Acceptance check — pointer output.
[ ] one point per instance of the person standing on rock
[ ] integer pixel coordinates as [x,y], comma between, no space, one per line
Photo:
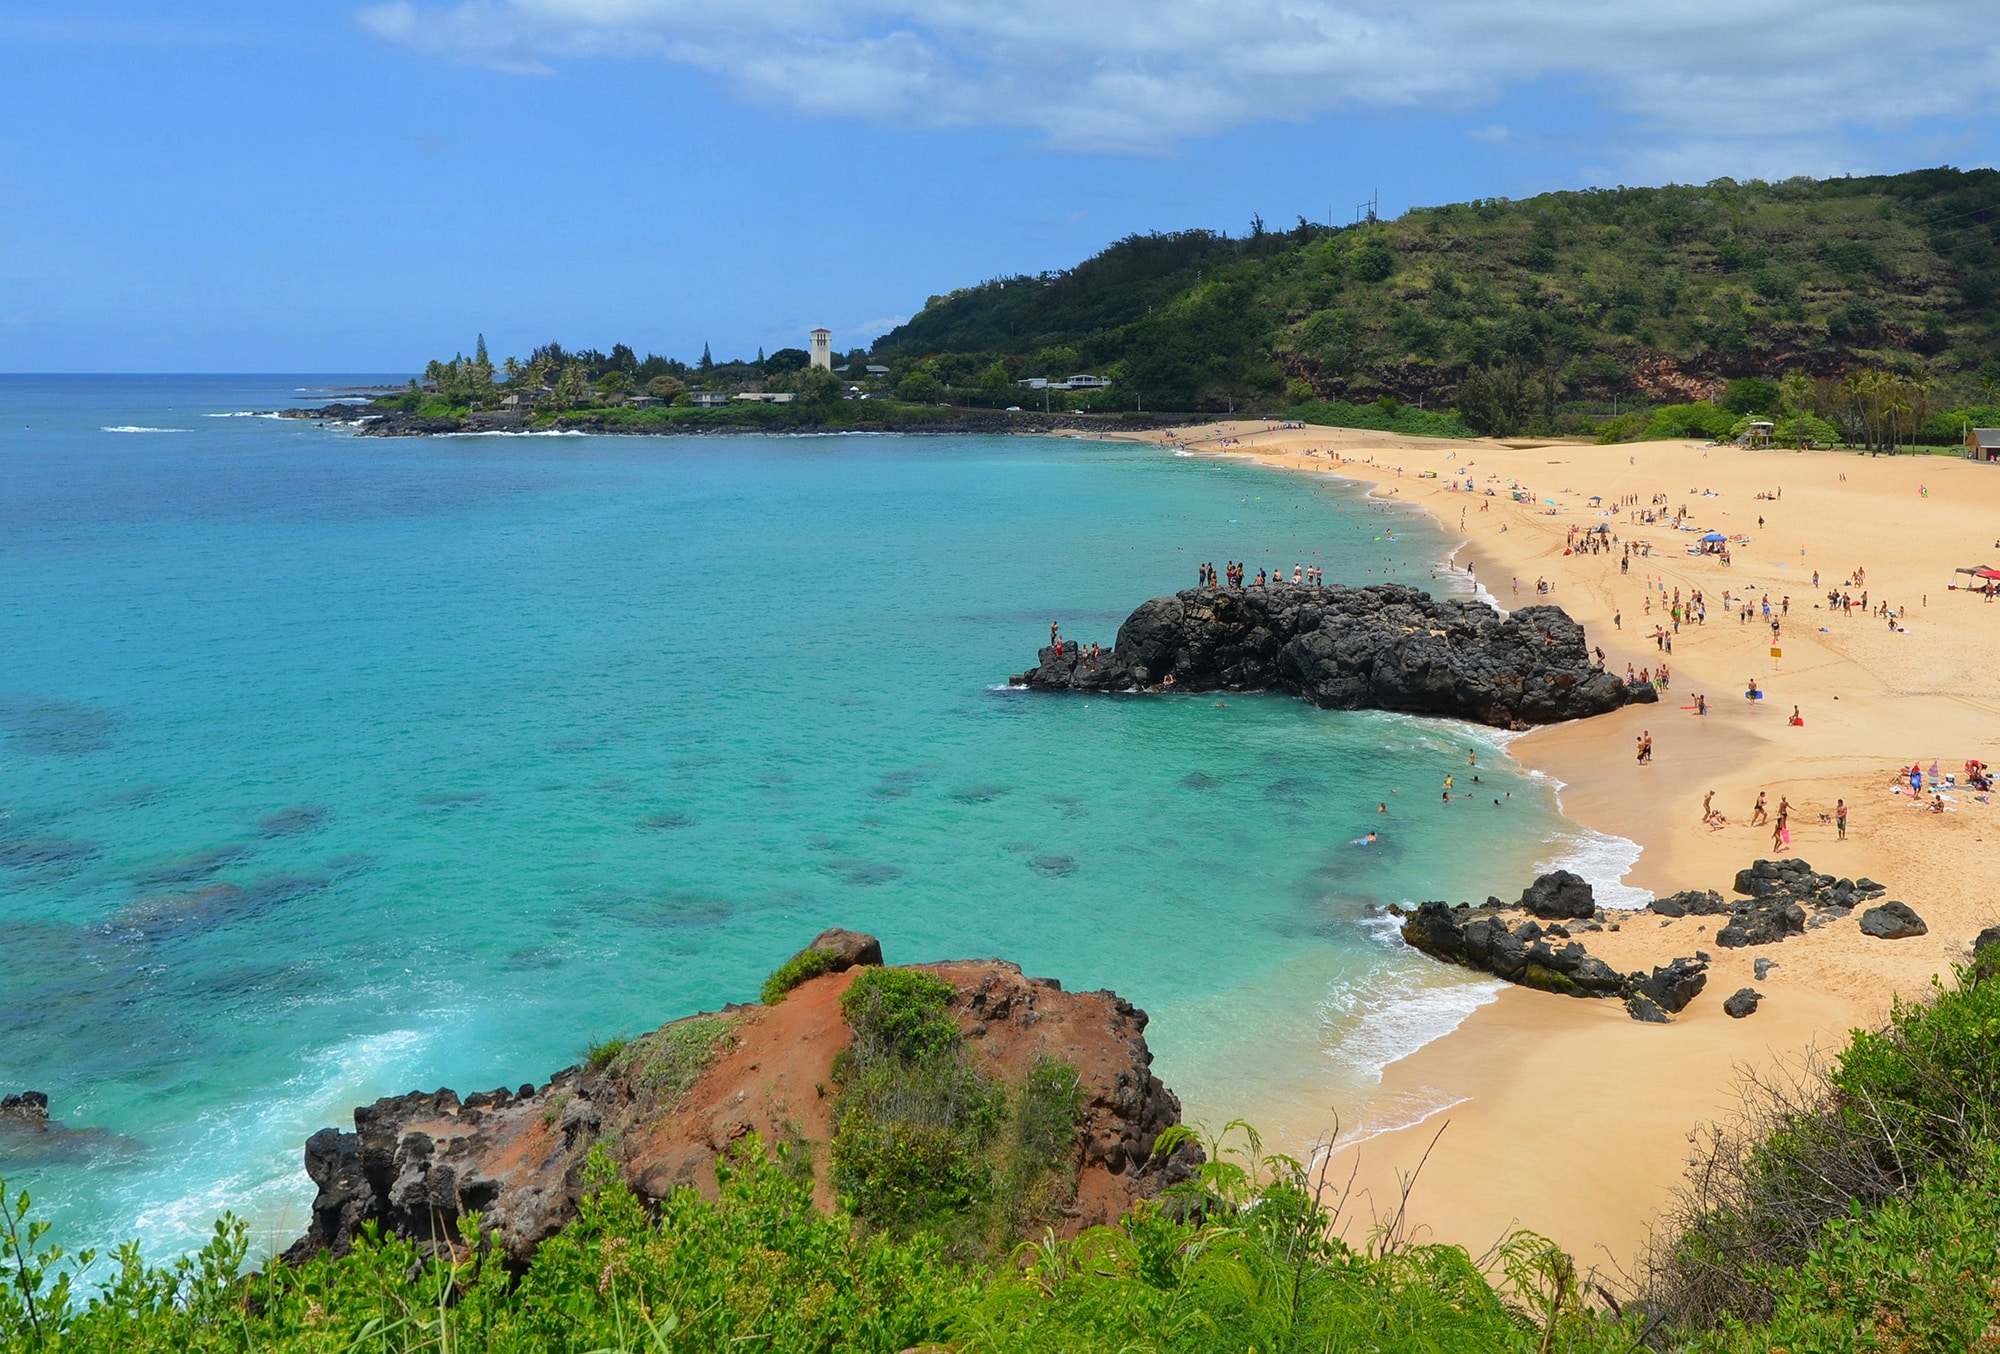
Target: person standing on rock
[1055,637]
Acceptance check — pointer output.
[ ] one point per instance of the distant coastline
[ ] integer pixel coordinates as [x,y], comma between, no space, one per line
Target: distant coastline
[373,421]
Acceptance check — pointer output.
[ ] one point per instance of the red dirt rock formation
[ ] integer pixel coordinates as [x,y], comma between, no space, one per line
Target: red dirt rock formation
[415,1163]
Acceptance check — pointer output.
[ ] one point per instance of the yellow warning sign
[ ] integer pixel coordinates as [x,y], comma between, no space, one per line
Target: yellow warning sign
[1776,652]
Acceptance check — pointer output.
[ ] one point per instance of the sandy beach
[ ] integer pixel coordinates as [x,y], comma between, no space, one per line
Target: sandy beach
[1570,1117]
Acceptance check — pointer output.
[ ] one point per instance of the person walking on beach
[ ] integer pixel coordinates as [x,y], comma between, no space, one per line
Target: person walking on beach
[1645,747]
[1708,808]
[1757,814]
[1781,836]
[1840,820]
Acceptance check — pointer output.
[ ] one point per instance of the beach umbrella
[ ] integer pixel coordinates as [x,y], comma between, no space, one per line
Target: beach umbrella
[1715,536]
[1986,573]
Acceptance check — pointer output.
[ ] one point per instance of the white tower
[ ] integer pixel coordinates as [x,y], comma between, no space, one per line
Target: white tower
[822,349]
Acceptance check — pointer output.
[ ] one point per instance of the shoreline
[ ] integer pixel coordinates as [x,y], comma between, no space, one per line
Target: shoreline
[1565,1115]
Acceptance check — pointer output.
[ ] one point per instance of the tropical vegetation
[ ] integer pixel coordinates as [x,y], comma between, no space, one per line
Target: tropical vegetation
[1853,1207]
[1556,313]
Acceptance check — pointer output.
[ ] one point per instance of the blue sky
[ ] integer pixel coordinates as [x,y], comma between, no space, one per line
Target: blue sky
[307,186]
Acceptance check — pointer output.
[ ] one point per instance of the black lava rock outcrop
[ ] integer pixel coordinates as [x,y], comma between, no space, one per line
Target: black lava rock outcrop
[1785,898]
[1672,986]
[1560,896]
[1762,922]
[1690,903]
[1742,1002]
[1519,954]
[1644,1009]
[1382,647]
[1893,921]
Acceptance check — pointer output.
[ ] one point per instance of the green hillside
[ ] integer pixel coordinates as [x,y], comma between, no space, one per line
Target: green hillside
[1548,314]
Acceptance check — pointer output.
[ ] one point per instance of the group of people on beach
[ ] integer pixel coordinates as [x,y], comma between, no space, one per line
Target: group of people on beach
[1781,827]
[1233,575]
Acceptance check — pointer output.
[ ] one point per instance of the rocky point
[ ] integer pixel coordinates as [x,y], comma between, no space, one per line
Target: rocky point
[1382,647]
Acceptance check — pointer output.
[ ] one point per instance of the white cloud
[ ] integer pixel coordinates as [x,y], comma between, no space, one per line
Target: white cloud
[1759,83]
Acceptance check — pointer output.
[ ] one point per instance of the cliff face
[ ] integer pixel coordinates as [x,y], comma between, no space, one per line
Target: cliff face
[1384,647]
[667,1104]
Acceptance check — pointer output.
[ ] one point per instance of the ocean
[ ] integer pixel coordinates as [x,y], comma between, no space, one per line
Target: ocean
[333,767]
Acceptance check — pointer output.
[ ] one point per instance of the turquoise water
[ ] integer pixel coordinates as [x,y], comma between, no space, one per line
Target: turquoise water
[333,767]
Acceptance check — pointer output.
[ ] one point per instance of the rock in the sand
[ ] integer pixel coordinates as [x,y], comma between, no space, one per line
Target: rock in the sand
[1674,985]
[1892,921]
[1986,939]
[1520,955]
[1381,647]
[1764,967]
[1742,1002]
[1690,903]
[1560,894]
[1642,1008]
[1761,923]
[29,1107]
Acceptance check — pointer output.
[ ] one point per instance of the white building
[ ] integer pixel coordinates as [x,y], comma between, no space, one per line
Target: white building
[822,349]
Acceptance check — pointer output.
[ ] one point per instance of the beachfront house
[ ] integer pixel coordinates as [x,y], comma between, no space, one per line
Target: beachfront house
[710,399]
[1035,383]
[874,370]
[1983,444]
[1086,383]
[768,396]
[642,401]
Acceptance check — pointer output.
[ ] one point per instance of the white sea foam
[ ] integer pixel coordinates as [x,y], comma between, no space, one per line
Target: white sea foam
[261,1141]
[1602,859]
[239,413]
[1394,1011]
[135,428]
[519,432]
[1392,1114]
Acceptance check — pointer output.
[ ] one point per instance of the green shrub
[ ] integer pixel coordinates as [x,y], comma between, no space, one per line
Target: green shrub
[661,1066]
[801,967]
[1380,418]
[1680,421]
[899,1013]
[1916,1100]
[598,1055]
[1918,1274]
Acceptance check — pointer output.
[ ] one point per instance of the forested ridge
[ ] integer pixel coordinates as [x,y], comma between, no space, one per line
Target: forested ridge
[1552,313]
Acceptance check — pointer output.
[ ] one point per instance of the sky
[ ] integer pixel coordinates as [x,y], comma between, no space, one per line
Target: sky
[316,186]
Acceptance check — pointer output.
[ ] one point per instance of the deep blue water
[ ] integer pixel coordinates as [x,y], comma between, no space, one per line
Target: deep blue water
[331,766]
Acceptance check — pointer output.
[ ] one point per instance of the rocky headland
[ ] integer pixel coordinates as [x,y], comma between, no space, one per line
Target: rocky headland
[664,1106]
[1381,647]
